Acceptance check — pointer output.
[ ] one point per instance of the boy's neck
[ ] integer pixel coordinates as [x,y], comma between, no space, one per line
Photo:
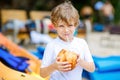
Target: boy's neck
[70,39]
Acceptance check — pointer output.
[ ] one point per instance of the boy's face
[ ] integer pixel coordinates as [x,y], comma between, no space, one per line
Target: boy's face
[65,31]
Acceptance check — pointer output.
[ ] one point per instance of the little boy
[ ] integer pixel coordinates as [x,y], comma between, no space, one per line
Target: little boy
[65,18]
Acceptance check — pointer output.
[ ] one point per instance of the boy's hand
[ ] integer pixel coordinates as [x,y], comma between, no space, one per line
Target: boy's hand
[78,59]
[63,66]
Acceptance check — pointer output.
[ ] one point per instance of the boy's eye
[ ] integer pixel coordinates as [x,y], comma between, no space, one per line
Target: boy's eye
[70,25]
[61,26]
[64,26]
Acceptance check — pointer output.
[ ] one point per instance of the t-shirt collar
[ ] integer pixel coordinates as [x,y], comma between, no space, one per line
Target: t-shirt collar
[64,42]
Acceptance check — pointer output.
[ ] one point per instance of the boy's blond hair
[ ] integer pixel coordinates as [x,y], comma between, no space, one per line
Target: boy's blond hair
[65,12]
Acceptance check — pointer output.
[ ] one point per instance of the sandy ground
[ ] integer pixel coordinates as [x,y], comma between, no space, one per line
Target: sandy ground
[104,44]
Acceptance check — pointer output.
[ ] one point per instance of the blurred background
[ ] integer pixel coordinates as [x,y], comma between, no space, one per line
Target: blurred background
[19,18]
[27,23]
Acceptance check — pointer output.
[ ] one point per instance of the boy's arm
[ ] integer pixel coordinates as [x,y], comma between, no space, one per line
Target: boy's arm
[87,63]
[89,66]
[46,71]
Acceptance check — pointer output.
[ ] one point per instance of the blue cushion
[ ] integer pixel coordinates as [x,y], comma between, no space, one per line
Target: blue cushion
[37,54]
[111,63]
[41,49]
[113,75]
[85,74]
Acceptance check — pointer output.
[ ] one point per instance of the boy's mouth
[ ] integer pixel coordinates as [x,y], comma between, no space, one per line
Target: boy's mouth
[67,35]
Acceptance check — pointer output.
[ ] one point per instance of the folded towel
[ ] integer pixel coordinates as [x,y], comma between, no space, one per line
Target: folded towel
[17,63]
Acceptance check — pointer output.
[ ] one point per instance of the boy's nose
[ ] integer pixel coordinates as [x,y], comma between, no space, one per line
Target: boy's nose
[66,29]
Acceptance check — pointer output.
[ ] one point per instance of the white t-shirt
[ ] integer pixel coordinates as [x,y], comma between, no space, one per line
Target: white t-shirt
[53,48]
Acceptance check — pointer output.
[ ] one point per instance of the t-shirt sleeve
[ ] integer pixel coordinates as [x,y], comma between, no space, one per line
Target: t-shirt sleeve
[48,55]
[87,54]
